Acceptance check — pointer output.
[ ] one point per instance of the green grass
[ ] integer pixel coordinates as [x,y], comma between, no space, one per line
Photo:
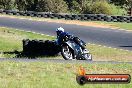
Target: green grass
[11,40]
[109,54]
[56,75]
[126,26]
[116,10]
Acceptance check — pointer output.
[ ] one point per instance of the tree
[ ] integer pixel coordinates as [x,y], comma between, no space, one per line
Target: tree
[21,5]
[56,6]
[122,3]
[31,5]
[129,2]
[97,7]
[7,4]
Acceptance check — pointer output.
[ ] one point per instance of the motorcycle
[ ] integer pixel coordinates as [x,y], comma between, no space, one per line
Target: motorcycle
[74,48]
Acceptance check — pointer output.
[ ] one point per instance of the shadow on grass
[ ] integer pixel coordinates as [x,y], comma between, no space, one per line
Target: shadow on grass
[21,54]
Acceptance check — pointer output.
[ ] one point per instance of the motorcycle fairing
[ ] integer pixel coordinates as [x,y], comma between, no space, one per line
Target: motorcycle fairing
[75,47]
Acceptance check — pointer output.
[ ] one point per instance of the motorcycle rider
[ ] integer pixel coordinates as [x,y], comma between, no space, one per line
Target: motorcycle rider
[61,34]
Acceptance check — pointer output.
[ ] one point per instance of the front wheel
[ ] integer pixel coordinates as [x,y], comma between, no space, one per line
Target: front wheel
[66,53]
[87,56]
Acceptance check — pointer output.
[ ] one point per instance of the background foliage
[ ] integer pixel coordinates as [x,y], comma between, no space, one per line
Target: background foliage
[69,6]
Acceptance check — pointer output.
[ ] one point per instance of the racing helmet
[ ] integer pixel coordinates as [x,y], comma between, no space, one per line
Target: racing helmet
[59,30]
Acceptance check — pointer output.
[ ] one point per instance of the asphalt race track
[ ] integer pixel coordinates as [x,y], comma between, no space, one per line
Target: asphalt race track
[104,36]
[62,61]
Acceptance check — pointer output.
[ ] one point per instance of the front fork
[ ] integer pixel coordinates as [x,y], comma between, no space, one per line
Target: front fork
[78,53]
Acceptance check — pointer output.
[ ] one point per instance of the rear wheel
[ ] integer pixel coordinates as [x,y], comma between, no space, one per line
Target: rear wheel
[66,52]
